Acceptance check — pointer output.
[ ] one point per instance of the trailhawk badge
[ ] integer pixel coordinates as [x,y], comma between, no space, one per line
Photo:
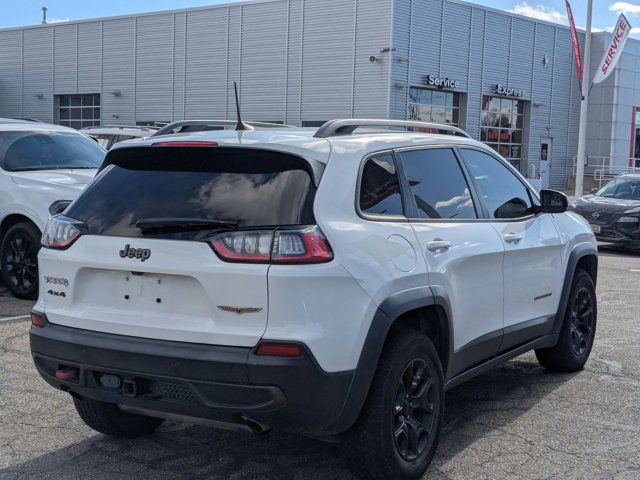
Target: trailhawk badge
[140,253]
[239,310]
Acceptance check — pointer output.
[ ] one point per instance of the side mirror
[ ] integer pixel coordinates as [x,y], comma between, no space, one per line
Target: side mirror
[594,191]
[553,201]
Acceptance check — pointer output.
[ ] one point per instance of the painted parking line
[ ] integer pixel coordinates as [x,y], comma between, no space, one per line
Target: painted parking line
[18,317]
[632,270]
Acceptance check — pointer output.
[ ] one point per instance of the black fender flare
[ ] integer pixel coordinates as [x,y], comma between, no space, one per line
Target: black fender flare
[579,251]
[387,313]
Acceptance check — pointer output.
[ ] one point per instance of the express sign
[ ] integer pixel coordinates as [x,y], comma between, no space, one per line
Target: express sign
[508,91]
[613,53]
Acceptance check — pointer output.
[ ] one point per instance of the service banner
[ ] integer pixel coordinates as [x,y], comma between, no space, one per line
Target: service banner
[613,52]
[575,42]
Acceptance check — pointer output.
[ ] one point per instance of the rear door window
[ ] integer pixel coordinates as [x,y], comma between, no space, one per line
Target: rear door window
[245,187]
[437,184]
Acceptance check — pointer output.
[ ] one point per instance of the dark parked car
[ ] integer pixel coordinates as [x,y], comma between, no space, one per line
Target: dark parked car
[614,211]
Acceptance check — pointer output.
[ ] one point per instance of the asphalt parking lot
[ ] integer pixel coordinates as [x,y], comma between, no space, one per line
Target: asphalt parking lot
[515,422]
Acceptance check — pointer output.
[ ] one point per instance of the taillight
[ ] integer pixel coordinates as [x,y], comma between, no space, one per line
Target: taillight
[287,246]
[60,232]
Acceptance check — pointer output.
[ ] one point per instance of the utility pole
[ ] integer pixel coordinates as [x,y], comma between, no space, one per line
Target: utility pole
[584,105]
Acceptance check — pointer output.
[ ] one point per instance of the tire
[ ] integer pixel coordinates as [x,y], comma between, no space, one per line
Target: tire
[578,329]
[19,260]
[107,418]
[374,450]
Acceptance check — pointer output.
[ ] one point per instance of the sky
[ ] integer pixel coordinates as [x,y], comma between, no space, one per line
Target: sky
[28,12]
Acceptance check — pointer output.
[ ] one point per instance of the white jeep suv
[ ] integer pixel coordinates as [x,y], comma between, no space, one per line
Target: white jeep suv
[331,283]
[42,168]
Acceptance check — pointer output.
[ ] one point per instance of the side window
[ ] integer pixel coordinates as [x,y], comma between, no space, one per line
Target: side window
[380,187]
[505,196]
[438,184]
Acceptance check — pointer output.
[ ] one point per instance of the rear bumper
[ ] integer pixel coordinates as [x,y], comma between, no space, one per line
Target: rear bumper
[224,384]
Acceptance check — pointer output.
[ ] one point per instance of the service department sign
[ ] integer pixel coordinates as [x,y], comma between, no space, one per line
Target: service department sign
[508,91]
[434,81]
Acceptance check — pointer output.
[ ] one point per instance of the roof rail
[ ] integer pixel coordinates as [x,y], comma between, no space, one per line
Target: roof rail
[335,128]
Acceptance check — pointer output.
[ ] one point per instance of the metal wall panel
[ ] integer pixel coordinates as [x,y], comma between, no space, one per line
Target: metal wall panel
[179,64]
[89,52]
[65,58]
[154,68]
[372,37]
[295,27]
[11,73]
[206,63]
[328,59]
[38,73]
[400,59]
[118,97]
[263,60]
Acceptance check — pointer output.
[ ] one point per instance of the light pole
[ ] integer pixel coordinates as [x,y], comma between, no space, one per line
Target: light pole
[584,105]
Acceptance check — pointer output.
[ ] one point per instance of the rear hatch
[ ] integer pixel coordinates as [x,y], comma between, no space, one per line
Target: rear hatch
[145,265]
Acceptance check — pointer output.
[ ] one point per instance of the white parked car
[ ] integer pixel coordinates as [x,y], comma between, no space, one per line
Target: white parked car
[42,169]
[330,283]
[108,136]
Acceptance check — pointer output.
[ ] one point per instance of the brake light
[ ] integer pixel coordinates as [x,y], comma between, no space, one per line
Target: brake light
[288,246]
[61,232]
[279,350]
[199,143]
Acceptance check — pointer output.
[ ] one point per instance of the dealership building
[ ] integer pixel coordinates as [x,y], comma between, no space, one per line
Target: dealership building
[508,80]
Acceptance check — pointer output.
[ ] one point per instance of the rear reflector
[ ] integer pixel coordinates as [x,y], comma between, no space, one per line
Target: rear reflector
[67,374]
[38,319]
[279,350]
[185,144]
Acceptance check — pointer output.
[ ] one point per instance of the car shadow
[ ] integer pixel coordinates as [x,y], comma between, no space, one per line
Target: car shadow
[475,409]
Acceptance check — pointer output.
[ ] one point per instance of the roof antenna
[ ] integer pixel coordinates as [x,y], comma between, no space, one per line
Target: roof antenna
[241,125]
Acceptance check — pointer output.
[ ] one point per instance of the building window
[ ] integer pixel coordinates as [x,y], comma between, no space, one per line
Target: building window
[502,124]
[78,111]
[434,106]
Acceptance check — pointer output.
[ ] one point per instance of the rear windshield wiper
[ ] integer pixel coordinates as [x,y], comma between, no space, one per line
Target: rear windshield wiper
[183,224]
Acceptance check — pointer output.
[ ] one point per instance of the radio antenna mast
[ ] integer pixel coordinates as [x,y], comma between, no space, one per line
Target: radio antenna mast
[241,125]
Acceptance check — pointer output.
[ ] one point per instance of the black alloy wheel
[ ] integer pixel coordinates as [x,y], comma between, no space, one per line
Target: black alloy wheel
[396,434]
[19,260]
[578,329]
[582,321]
[414,410]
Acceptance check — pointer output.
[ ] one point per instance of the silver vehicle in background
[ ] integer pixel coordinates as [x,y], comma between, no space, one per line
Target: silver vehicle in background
[108,136]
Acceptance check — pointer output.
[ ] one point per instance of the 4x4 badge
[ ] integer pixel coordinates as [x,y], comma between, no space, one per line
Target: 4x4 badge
[140,253]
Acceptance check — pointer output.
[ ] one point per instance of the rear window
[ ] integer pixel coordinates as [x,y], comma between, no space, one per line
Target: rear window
[24,151]
[247,187]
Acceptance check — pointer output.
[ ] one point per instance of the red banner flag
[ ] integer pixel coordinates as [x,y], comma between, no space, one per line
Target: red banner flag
[576,43]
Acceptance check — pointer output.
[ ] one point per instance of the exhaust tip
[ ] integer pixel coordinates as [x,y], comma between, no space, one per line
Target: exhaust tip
[256,427]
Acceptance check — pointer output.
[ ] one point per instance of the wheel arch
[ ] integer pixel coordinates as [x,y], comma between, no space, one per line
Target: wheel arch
[14,219]
[426,309]
[584,256]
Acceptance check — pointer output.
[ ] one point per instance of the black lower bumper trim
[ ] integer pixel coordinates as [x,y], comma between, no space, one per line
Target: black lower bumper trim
[225,384]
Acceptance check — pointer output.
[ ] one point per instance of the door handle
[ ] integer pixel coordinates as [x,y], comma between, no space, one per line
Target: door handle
[438,245]
[512,237]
